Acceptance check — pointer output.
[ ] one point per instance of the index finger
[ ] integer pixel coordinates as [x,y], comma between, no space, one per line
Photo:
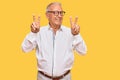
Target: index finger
[39,18]
[76,19]
[34,18]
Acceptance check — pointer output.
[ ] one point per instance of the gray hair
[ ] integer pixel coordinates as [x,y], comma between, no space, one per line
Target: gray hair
[48,7]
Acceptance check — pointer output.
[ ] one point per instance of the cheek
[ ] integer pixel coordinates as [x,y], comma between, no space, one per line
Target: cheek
[51,18]
[48,16]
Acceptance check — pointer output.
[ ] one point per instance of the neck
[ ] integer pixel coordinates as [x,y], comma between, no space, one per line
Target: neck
[55,27]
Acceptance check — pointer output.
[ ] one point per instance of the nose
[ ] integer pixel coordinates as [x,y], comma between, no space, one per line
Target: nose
[59,15]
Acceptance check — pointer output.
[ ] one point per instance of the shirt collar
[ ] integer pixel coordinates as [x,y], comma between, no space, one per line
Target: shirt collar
[49,28]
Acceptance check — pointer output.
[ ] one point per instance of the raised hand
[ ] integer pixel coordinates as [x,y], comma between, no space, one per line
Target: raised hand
[35,27]
[75,29]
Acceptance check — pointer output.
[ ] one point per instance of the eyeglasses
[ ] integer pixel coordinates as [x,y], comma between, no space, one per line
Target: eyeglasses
[56,13]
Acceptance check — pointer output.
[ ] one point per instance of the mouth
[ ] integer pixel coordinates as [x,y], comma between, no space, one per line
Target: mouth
[58,19]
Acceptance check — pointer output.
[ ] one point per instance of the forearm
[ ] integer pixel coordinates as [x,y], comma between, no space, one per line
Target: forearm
[29,42]
[79,44]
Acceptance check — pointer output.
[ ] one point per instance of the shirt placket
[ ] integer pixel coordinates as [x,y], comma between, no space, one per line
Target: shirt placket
[53,55]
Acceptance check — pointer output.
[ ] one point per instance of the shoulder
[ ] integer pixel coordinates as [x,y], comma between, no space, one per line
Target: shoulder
[43,28]
[66,29]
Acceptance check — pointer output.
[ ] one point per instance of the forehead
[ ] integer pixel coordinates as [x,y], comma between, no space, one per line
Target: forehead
[55,7]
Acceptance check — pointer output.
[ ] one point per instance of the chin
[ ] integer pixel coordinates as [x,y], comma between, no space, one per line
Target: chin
[58,24]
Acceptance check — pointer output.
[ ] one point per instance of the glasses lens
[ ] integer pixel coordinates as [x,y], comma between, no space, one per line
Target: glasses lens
[62,13]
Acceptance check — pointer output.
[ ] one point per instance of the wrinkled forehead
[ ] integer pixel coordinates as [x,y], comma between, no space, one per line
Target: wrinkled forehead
[55,7]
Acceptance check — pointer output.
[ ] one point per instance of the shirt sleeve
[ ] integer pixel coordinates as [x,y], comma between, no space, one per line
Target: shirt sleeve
[29,43]
[79,44]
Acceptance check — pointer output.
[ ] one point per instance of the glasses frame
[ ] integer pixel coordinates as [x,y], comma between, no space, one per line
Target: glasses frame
[56,13]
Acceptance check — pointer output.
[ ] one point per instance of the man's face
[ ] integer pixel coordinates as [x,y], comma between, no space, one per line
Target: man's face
[54,15]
